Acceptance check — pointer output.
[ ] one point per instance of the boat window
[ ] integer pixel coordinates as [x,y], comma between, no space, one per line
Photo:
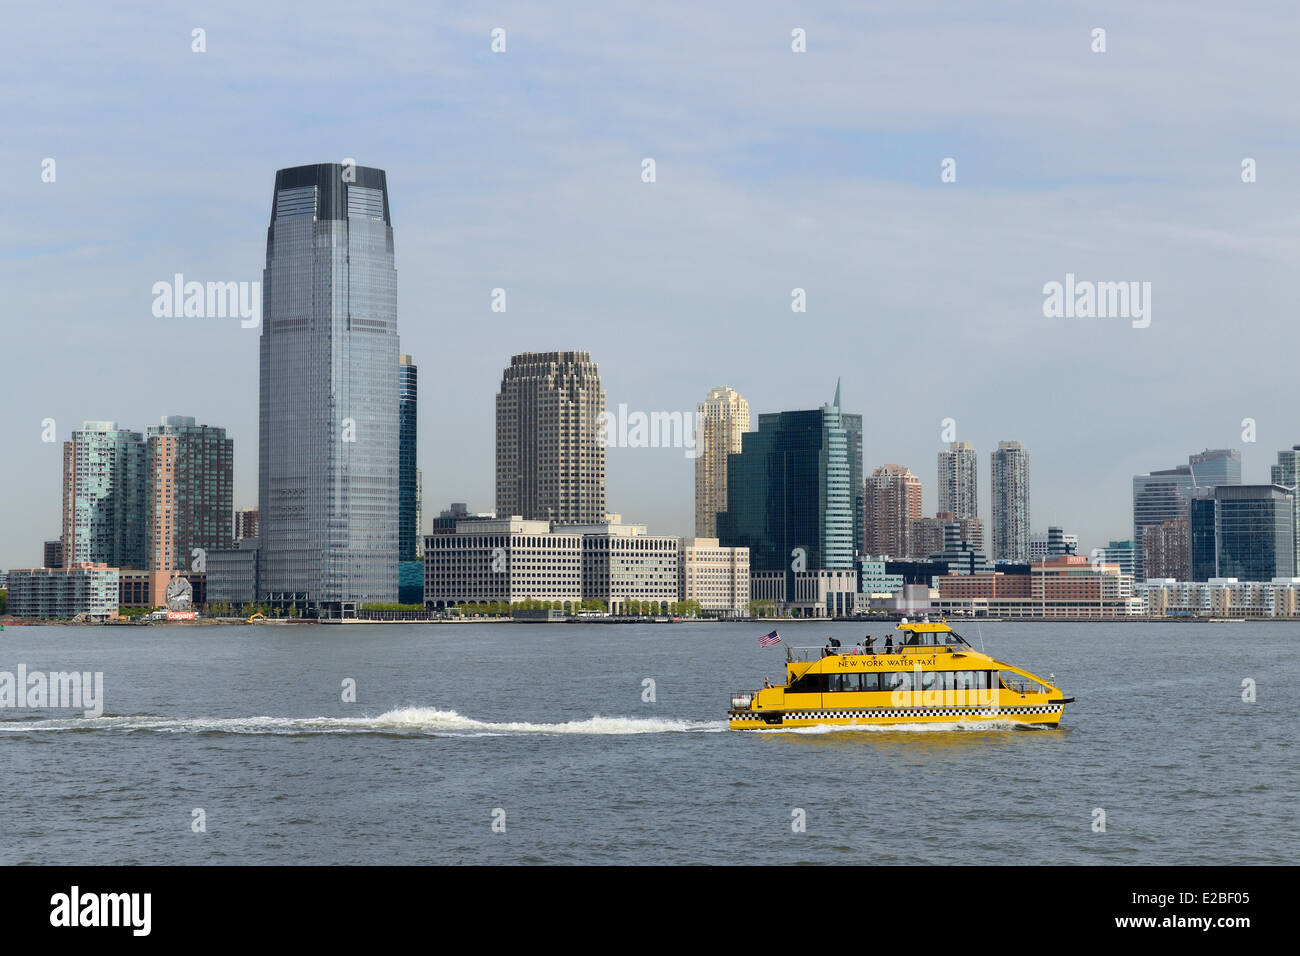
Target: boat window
[808,684]
[1020,684]
[897,680]
[937,680]
[871,681]
[964,680]
[849,682]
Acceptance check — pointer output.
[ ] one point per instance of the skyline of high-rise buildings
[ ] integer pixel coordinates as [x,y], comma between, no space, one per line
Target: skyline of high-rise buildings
[330,325]
[328,410]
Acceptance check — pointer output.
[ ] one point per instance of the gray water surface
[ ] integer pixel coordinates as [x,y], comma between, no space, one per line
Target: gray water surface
[547,724]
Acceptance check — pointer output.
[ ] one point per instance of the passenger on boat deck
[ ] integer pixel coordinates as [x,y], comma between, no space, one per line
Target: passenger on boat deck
[826,651]
[889,643]
[871,649]
[835,643]
[857,648]
[767,683]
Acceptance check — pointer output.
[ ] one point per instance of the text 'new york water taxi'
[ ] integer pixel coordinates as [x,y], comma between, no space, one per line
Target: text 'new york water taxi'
[932,675]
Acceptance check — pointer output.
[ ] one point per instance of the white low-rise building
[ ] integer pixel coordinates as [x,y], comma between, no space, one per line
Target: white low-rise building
[622,563]
[517,559]
[503,559]
[1221,597]
[716,577]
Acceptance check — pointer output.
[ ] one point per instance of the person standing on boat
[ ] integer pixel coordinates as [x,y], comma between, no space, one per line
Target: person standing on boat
[870,646]
[889,643]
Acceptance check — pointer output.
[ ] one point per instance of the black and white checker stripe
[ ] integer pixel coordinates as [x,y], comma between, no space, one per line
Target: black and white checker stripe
[899,712]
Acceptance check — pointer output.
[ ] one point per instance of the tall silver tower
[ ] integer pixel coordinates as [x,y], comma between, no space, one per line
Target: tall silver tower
[328,440]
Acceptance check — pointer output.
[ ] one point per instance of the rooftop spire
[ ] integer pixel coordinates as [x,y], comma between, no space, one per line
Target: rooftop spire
[836,403]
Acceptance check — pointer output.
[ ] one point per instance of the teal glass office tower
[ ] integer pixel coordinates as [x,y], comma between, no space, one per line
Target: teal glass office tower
[328,439]
[408,535]
[1253,532]
[797,484]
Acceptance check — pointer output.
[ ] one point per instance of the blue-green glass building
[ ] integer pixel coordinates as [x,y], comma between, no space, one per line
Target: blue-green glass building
[794,492]
[1253,532]
[408,535]
[1203,543]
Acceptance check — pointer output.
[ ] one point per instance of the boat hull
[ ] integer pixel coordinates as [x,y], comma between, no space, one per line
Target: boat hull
[1048,715]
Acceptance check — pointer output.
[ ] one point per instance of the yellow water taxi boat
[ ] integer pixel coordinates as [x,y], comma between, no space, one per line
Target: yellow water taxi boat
[932,675]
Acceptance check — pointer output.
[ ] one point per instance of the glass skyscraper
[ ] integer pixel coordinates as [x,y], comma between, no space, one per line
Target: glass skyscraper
[328,440]
[1162,495]
[797,484]
[1253,532]
[408,535]
[1287,474]
[1201,531]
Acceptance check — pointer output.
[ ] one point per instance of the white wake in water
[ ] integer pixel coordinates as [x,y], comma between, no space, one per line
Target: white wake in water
[414,720]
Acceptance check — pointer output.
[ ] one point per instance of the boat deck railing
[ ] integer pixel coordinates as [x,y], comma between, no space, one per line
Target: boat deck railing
[877,650]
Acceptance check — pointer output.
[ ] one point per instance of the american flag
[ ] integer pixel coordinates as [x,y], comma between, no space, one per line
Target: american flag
[767,640]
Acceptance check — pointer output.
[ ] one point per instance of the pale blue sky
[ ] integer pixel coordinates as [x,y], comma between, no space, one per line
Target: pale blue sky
[775,170]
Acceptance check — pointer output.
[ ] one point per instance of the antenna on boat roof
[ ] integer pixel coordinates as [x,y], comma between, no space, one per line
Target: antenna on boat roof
[980,631]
